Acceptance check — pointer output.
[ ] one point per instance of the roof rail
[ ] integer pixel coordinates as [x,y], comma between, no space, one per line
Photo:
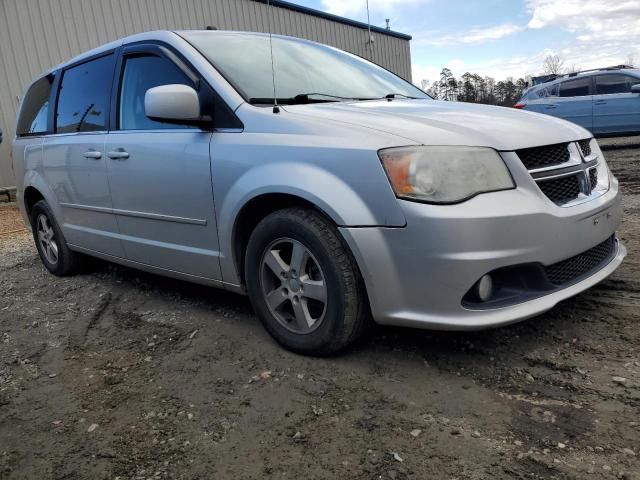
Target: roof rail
[613,67]
[550,77]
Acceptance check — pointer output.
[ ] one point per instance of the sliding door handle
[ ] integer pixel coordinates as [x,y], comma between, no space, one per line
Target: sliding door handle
[95,155]
[118,154]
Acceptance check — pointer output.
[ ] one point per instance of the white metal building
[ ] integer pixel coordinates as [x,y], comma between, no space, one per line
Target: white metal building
[36,35]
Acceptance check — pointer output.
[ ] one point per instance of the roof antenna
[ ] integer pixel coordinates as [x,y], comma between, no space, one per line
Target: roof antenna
[276,108]
[370,39]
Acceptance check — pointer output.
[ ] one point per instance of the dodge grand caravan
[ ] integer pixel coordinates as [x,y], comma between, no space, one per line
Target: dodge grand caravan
[357,197]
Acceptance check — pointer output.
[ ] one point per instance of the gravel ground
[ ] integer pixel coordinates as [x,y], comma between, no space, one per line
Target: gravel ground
[119,374]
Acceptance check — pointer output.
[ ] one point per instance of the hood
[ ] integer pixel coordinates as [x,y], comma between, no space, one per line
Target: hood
[432,122]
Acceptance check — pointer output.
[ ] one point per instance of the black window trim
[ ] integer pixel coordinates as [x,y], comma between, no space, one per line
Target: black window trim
[53,113]
[162,49]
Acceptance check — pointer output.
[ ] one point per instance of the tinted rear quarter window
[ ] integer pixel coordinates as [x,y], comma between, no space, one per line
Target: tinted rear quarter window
[608,84]
[35,108]
[575,88]
[84,96]
[550,91]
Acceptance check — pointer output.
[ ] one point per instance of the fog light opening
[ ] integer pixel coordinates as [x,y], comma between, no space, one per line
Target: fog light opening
[484,288]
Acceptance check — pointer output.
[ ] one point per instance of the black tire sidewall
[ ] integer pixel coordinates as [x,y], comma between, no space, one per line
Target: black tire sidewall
[277,226]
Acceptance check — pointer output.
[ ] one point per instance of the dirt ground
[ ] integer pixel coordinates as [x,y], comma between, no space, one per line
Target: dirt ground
[120,374]
[10,221]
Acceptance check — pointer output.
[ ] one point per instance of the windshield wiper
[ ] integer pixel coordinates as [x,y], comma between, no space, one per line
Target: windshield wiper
[303,98]
[391,96]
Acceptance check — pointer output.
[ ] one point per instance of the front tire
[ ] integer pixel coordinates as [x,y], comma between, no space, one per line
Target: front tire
[50,242]
[304,284]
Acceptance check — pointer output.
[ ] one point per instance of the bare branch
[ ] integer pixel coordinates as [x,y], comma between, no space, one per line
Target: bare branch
[553,64]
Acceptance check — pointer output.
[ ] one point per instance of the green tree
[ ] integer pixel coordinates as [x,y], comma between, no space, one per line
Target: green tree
[445,87]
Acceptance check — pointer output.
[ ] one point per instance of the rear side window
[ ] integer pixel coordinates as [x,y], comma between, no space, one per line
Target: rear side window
[608,84]
[84,96]
[550,91]
[140,74]
[575,88]
[35,108]
[529,95]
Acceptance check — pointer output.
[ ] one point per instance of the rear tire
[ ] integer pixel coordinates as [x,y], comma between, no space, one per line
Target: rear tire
[50,242]
[304,283]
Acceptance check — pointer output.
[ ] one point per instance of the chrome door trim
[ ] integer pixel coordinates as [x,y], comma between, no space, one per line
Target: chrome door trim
[132,213]
[75,134]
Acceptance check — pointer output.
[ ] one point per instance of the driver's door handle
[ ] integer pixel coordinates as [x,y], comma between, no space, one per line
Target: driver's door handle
[92,154]
[118,154]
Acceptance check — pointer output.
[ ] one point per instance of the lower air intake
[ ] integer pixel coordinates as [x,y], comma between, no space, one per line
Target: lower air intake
[575,267]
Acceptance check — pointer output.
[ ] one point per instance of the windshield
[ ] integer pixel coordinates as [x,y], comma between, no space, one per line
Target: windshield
[304,71]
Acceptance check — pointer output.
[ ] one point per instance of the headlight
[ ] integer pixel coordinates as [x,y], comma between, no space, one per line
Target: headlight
[444,174]
[599,175]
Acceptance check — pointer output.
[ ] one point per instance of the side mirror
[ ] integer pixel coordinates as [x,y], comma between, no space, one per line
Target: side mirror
[172,103]
[635,88]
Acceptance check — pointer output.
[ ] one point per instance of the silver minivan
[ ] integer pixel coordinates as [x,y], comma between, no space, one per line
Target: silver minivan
[329,190]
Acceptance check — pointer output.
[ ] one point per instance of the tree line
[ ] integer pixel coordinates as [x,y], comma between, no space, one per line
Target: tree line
[474,88]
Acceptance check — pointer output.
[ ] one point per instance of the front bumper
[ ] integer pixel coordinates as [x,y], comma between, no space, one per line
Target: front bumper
[418,275]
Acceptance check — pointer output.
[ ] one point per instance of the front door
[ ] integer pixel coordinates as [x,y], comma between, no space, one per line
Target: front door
[74,164]
[160,174]
[615,108]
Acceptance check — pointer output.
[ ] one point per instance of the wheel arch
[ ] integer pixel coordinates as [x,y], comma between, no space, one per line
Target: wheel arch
[36,188]
[30,197]
[256,209]
[280,184]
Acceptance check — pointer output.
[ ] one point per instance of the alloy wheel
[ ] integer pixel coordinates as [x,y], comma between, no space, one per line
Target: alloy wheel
[47,239]
[293,285]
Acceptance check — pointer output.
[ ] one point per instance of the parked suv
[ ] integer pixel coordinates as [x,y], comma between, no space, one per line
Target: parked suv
[606,101]
[356,197]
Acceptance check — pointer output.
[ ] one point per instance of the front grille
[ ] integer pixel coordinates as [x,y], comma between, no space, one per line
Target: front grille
[593,178]
[585,147]
[547,163]
[561,190]
[575,267]
[547,156]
